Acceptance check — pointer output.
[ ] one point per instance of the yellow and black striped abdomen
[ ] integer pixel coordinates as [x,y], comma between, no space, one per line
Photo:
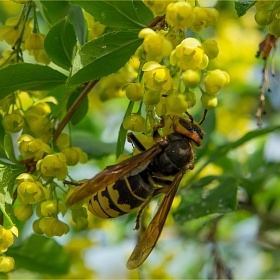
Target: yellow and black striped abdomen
[121,197]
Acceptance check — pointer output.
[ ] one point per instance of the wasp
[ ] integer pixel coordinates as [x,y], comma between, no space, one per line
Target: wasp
[131,184]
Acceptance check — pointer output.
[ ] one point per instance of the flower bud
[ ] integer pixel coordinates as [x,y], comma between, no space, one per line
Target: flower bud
[63,141]
[13,122]
[134,91]
[23,212]
[134,122]
[30,192]
[215,80]
[208,101]
[53,166]
[48,208]
[6,239]
[53,227]
[6,264]
[30,147]
[180,14]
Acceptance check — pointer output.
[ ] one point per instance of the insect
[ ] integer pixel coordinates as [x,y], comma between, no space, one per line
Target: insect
[131,184]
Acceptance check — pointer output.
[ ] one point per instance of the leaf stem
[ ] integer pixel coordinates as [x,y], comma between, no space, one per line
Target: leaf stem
[73,108]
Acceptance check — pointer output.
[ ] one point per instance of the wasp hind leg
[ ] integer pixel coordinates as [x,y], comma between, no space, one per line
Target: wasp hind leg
[138,217]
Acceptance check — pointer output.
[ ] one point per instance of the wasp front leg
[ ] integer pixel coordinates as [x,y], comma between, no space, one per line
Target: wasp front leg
[131,138]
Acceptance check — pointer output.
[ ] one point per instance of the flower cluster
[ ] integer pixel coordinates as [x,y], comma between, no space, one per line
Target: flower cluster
[6,240]
[268,14]
[175,68]
[23,34]
[45,161]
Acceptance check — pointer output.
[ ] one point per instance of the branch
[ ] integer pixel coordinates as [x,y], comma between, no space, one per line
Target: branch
[73,108]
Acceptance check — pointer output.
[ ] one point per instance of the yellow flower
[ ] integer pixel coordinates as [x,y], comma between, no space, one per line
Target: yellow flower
[54,165]
[189,55]
[155,44]
[6,264]
[30,147]
[215,80]
[180,14]
[158,7]
[6,239]
[51,226]
[156,77]
[35,45]
[35,41]
[30,192]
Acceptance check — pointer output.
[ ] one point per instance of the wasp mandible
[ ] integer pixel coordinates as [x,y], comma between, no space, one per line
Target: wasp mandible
[131,184]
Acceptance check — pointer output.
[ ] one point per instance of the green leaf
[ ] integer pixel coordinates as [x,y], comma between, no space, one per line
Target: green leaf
[210,195]
[94,148]
[103,56]
[41,254]
[2,135]
[81,111]
[27,76]
[123,132]
[60,42]
[222,150]
[9,148]
[77,18]
[7,179]
[53,11]
[242,6]
[122,14]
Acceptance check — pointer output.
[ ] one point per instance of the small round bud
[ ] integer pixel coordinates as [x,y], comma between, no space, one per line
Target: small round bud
[274,27]
[49,208]
[191,78]
[134,122]
[210,48]
[6,264]
[23,212]
[13,122]
[180,14]
[72,156]
[6,239]
[215,80]
[63,141]
[208,101]
[36,227]
[191,98]
[151,97]
[263,17]
[134,91]
[176,103]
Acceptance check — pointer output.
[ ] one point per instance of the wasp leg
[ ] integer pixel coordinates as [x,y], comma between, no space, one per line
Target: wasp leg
[203,116]
[137,222]
[157,127]
[66,182]
[156,192]
[131,138]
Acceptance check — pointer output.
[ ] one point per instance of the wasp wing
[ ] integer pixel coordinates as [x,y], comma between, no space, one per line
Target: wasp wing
[151,235]
[113,173]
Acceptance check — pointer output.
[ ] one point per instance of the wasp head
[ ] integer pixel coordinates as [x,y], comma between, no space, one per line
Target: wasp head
[188,128]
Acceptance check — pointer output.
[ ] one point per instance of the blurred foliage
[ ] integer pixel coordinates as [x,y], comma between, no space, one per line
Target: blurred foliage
[224,222]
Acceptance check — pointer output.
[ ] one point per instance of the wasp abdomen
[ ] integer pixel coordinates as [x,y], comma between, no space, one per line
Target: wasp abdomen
[122,197]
